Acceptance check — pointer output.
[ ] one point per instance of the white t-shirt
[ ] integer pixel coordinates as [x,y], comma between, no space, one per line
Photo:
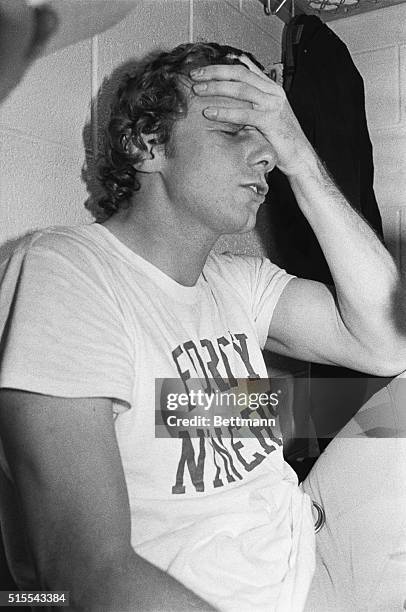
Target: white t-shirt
[84,316]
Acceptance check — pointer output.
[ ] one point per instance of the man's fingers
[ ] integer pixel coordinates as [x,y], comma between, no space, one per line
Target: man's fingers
[230,89]
[251,66]
[234,72]
[247,62]
[240,116]
[221,72]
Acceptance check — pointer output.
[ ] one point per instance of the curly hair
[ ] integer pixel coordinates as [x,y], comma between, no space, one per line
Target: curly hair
[149,101]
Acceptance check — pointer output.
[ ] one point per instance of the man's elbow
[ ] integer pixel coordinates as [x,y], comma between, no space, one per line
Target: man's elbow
[389,359]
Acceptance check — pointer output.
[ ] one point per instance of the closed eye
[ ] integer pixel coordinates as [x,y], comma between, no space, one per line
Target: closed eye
[234,132]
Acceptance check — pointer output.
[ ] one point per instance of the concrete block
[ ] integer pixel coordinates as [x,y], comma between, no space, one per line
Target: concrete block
[372,30]
[402,71]
[42,186]
[217,21]
[236,4]
[53,100]
[380,71]
[390,167]
[153,24]
[271,24]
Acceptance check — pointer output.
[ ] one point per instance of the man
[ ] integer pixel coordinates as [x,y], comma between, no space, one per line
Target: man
[94,316]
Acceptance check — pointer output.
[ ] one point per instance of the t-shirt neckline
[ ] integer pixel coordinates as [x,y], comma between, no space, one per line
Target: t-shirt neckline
[170,286]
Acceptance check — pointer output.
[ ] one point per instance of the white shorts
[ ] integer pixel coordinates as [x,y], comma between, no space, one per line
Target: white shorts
[360,481]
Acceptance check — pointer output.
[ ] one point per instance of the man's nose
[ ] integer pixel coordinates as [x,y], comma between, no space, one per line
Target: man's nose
[263,155]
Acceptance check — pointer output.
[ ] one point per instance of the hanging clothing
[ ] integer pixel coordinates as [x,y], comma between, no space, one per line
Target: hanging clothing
[326,93]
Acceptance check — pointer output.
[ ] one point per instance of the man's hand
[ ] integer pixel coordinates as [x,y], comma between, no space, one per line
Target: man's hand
[271,113]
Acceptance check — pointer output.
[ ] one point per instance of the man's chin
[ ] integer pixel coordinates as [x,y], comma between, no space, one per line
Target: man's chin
[248,225]
[239,224]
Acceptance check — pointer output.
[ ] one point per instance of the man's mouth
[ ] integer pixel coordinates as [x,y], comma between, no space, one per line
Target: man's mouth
[258,188]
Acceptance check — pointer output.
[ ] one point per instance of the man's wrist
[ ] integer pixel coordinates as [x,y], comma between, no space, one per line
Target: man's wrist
[306,165]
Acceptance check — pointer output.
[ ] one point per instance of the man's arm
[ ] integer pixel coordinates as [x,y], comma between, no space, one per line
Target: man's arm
[356,325]
[66,465]
[353,325]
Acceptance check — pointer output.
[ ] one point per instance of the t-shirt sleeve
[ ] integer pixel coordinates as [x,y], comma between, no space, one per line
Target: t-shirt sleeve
[269,281]
[62,331]
[259,283]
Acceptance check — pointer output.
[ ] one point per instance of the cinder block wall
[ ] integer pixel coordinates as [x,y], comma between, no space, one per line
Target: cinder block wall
[41,142]
[377,42]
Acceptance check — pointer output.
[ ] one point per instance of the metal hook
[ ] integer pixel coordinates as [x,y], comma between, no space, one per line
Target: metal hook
[269,11]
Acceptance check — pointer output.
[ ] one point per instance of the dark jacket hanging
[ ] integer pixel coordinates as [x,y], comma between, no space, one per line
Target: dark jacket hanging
[326,93]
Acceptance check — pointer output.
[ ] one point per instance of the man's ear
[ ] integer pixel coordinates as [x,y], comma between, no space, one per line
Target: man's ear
[152,158]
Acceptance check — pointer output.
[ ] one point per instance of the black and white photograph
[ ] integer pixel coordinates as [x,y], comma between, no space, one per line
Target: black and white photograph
[203,305]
